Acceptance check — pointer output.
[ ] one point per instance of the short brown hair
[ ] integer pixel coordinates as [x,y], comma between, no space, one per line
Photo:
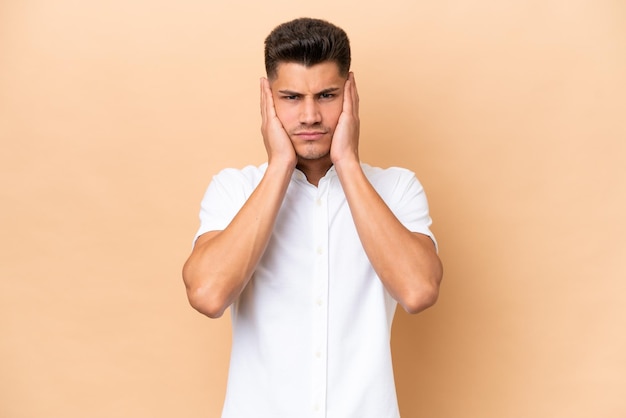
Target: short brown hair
[308,42]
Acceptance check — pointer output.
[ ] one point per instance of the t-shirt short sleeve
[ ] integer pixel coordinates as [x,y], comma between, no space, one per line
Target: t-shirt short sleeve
[413,209]
[226,194]
[405,196]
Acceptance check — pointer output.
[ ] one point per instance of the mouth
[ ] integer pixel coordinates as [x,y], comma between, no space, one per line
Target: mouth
[310,135]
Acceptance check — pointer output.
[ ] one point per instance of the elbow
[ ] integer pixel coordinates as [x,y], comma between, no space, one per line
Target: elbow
[425,295]
[206,302]
[203,297]
[420,300]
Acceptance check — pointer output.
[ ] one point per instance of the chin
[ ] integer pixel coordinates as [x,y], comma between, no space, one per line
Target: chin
[313,152]
[311,155]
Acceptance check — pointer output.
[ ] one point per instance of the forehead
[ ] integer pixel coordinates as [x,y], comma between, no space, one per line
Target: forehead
[300,78]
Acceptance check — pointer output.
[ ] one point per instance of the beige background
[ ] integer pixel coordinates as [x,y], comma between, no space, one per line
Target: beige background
[114,115]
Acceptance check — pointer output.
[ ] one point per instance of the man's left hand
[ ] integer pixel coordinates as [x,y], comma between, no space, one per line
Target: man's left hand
[345,144]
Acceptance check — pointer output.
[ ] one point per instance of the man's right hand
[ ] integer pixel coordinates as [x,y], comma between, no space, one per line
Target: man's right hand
[277,142]
[222,262]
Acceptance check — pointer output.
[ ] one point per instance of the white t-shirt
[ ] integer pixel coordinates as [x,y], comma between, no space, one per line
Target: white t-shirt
[311,330]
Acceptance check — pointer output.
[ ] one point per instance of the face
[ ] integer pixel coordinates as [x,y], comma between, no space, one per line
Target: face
[308,102]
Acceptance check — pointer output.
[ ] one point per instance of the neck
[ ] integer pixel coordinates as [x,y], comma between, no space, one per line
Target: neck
[314,170]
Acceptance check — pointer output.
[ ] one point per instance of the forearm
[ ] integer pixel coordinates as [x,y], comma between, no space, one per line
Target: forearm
[406,262]
[222,262]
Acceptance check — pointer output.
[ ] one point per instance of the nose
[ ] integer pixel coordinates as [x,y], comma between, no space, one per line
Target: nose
[310,112]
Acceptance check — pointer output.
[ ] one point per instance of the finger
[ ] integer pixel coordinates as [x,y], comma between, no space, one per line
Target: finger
[269,98]
[355,94]
[347,96]
[262,101]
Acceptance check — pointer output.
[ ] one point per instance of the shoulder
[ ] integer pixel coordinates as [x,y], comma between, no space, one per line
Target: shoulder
[249,175]
[390,177]
[395,184]
[386,172]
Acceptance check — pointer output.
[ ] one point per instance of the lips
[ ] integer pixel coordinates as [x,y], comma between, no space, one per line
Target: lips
[310,135]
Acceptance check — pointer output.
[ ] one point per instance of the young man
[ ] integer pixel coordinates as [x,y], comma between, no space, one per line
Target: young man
[313,249]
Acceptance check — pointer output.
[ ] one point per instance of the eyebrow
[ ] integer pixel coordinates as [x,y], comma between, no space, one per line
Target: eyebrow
[294,93]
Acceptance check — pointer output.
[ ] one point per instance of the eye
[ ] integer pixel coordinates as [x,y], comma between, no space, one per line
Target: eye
[292,97]
[327,95]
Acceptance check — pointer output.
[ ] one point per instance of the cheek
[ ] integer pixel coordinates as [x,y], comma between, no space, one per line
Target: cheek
[332,114]
[286,114]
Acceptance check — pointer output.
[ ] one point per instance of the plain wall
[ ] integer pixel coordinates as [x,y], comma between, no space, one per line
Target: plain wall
[114,116]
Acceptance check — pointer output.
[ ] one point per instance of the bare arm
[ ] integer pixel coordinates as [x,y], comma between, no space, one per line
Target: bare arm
[406,262]
[222,262]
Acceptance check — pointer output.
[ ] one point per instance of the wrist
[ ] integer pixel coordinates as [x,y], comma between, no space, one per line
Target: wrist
[281,165]
[347,165]
[344,155]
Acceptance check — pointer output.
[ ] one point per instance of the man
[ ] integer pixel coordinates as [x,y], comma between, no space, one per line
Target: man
[312,250]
